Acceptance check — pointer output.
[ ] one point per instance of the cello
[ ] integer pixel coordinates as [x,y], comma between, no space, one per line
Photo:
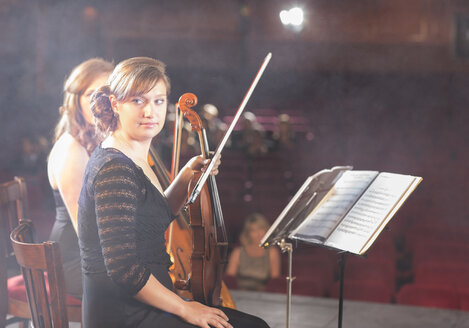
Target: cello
[179,237]
[209,238]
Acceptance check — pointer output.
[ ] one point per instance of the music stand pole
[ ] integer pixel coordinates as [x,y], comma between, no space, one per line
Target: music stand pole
[287,247]
[341,287]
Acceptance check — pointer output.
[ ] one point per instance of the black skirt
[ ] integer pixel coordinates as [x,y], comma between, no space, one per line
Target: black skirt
[105,306]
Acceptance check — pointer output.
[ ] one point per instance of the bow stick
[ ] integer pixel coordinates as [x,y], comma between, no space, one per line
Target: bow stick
[204,176]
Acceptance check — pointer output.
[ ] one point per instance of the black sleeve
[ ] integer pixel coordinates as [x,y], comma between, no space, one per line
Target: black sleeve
[117,192]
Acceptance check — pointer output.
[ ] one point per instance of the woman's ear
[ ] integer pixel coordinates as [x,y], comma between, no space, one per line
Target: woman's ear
[114,103]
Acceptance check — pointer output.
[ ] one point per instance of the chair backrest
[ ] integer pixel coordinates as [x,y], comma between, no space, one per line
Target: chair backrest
[13,207]
[47,309]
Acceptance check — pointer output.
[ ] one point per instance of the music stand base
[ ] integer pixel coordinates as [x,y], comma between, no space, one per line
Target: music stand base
[287,247]
[341,286]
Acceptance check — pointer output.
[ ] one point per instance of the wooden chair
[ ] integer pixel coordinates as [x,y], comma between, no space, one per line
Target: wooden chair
[13,207]
[41,267]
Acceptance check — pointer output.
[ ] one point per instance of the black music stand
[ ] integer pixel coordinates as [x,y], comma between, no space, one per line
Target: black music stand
[340,209]
[302,204]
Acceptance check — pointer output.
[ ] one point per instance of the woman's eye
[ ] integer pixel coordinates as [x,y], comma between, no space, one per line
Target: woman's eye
[160,101]
[137,101]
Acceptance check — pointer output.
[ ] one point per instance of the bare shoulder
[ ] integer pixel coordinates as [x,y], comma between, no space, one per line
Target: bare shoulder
[274,252]
[236,251]
[67,148]
[234,256]
[67,155]
[233,262]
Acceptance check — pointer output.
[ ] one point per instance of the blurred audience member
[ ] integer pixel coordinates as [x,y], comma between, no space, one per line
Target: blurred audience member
[252,265]
[284,136]
[242,137]
[214,127]
[258,145]
[251,137]
[29,162]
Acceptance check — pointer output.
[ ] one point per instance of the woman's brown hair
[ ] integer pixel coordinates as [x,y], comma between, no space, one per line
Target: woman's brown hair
[131,77]
[72,119]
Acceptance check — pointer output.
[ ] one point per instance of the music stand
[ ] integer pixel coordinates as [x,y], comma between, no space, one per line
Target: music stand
[340,209]
[302,204]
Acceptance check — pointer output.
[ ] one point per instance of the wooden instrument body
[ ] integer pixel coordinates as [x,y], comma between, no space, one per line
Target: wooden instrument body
[180,247]
[207,256]
[210,241]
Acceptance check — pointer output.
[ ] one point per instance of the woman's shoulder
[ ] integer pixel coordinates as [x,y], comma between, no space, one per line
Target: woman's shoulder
[236,252]
[65,154]
[274,252]
[113,156]
[66,158]
[111,161]
[67,147]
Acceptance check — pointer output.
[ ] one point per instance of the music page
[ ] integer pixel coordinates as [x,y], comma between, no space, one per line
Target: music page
[325,217]
[369,212]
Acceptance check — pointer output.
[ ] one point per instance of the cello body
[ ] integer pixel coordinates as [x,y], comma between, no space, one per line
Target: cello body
[209,238]
[207,256]
[210,241]
[180,245]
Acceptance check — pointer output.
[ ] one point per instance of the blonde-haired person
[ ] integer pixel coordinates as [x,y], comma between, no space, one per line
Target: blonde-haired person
[252,265]
[74,141]
[124,212]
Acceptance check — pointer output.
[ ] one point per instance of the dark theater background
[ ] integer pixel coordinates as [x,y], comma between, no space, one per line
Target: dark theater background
[380,85]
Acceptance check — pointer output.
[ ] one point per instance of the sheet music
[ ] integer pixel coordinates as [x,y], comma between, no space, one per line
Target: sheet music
[322,221]
[369,211]
[302,204]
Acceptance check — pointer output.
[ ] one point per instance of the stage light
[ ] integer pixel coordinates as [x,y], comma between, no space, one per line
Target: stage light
[293,17]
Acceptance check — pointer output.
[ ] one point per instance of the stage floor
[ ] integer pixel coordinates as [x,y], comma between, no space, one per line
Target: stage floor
[311,312]
[314,312]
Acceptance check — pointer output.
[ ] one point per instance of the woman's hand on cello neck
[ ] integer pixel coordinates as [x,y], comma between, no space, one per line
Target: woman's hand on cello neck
[199,163]
[176,193]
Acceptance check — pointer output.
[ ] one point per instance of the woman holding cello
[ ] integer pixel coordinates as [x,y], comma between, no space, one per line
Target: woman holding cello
[124,212]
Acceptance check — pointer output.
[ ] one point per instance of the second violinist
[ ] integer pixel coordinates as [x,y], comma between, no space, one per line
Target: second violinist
[124,212]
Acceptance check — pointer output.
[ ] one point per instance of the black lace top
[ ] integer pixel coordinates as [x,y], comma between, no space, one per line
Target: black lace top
[122,220]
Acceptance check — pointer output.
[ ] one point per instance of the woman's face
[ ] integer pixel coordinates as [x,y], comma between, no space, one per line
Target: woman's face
[256,232]
[142,117]
[85,98]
